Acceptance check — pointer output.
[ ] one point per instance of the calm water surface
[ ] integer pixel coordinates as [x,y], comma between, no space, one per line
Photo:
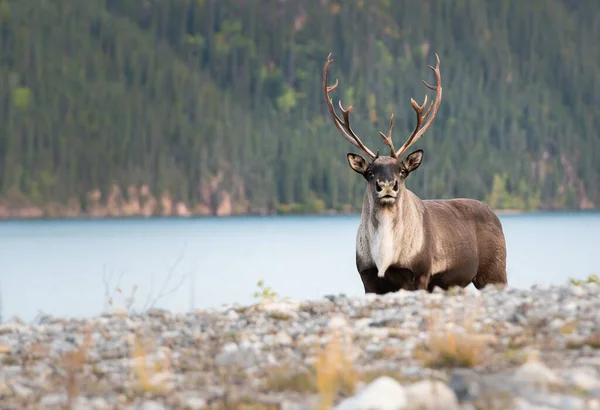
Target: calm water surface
[60,267]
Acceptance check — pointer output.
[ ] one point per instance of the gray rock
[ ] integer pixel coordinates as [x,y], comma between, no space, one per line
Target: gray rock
[99,403]
[584,378]
[556,401]
[283,339]
[232,315]
[464,383]
[570,308]
[522,404]
[54,328]
[53,401]
[114,349]
[536,373]
[338,322]
[577,291]
[7,328]
[171,335]
[164,381]
[151,405]
[268,340]
[431,395]
[10,371]
[309,403]
[589,361]
[383,393]
[21,390]
[282,309]
[83,403]
[557,323]
[593,404]
[194,403]
[243,355]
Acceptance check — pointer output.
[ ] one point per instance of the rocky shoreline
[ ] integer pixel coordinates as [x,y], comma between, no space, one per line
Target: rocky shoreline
[36,213]
[494,349]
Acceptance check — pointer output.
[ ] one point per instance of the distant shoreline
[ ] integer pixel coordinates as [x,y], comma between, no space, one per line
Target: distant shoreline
[83,216]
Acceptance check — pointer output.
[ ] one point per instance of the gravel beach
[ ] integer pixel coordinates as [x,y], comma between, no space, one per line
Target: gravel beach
[537,348]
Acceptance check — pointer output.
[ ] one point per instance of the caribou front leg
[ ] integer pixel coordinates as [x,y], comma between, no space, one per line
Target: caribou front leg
[422,280]
[374,284]
[422,274]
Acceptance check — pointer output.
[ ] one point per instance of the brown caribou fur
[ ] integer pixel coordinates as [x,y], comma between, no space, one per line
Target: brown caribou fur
[404,242]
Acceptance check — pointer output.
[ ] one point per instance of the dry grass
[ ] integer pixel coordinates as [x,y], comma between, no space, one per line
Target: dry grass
[335,373]
[452,343]
[245,404]
[388,353]
[515,356]
[369,376]
[280,316]
[452,349]
[519,341]
[72,363]
[568,328]
[32,353]
[283,379]
[592,341]
[144,369]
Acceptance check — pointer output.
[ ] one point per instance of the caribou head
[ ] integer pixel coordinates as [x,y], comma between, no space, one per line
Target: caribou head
[385,174]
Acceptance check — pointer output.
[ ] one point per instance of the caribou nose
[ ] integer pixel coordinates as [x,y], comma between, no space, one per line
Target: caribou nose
[380,185]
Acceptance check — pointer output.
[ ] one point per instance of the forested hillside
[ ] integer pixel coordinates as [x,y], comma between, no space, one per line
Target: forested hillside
[126,107]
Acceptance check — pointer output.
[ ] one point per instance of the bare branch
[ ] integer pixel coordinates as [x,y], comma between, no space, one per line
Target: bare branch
[163,292]
[108,294]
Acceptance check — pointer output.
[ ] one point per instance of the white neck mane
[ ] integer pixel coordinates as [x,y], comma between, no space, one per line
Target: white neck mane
[397,236]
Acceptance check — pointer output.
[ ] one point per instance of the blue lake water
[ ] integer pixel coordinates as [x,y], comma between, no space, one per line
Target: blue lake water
[60,267]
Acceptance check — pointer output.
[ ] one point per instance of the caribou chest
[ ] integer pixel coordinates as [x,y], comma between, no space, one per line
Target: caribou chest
[395,239]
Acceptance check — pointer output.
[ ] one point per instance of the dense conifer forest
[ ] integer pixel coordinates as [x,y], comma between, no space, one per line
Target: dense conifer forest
[128,107]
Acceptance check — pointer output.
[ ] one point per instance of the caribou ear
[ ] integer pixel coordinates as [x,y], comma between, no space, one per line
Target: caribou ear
[357,163]
[413,160]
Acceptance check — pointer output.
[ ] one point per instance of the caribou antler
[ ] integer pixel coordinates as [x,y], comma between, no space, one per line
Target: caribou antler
[342,126]
[387,139]
[419,131]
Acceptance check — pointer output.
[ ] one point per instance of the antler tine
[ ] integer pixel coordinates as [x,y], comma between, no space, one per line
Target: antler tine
[342,126]
[387,140]
[419,131]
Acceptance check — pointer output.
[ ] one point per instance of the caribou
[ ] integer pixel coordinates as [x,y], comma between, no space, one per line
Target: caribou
[404,242]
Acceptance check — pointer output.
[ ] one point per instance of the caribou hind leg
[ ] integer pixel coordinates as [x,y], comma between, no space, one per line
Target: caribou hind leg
[492,267]
[493,274]
[460,275]
[446,279]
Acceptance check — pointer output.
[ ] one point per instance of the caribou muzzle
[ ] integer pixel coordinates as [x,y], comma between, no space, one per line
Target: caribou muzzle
[387,191]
